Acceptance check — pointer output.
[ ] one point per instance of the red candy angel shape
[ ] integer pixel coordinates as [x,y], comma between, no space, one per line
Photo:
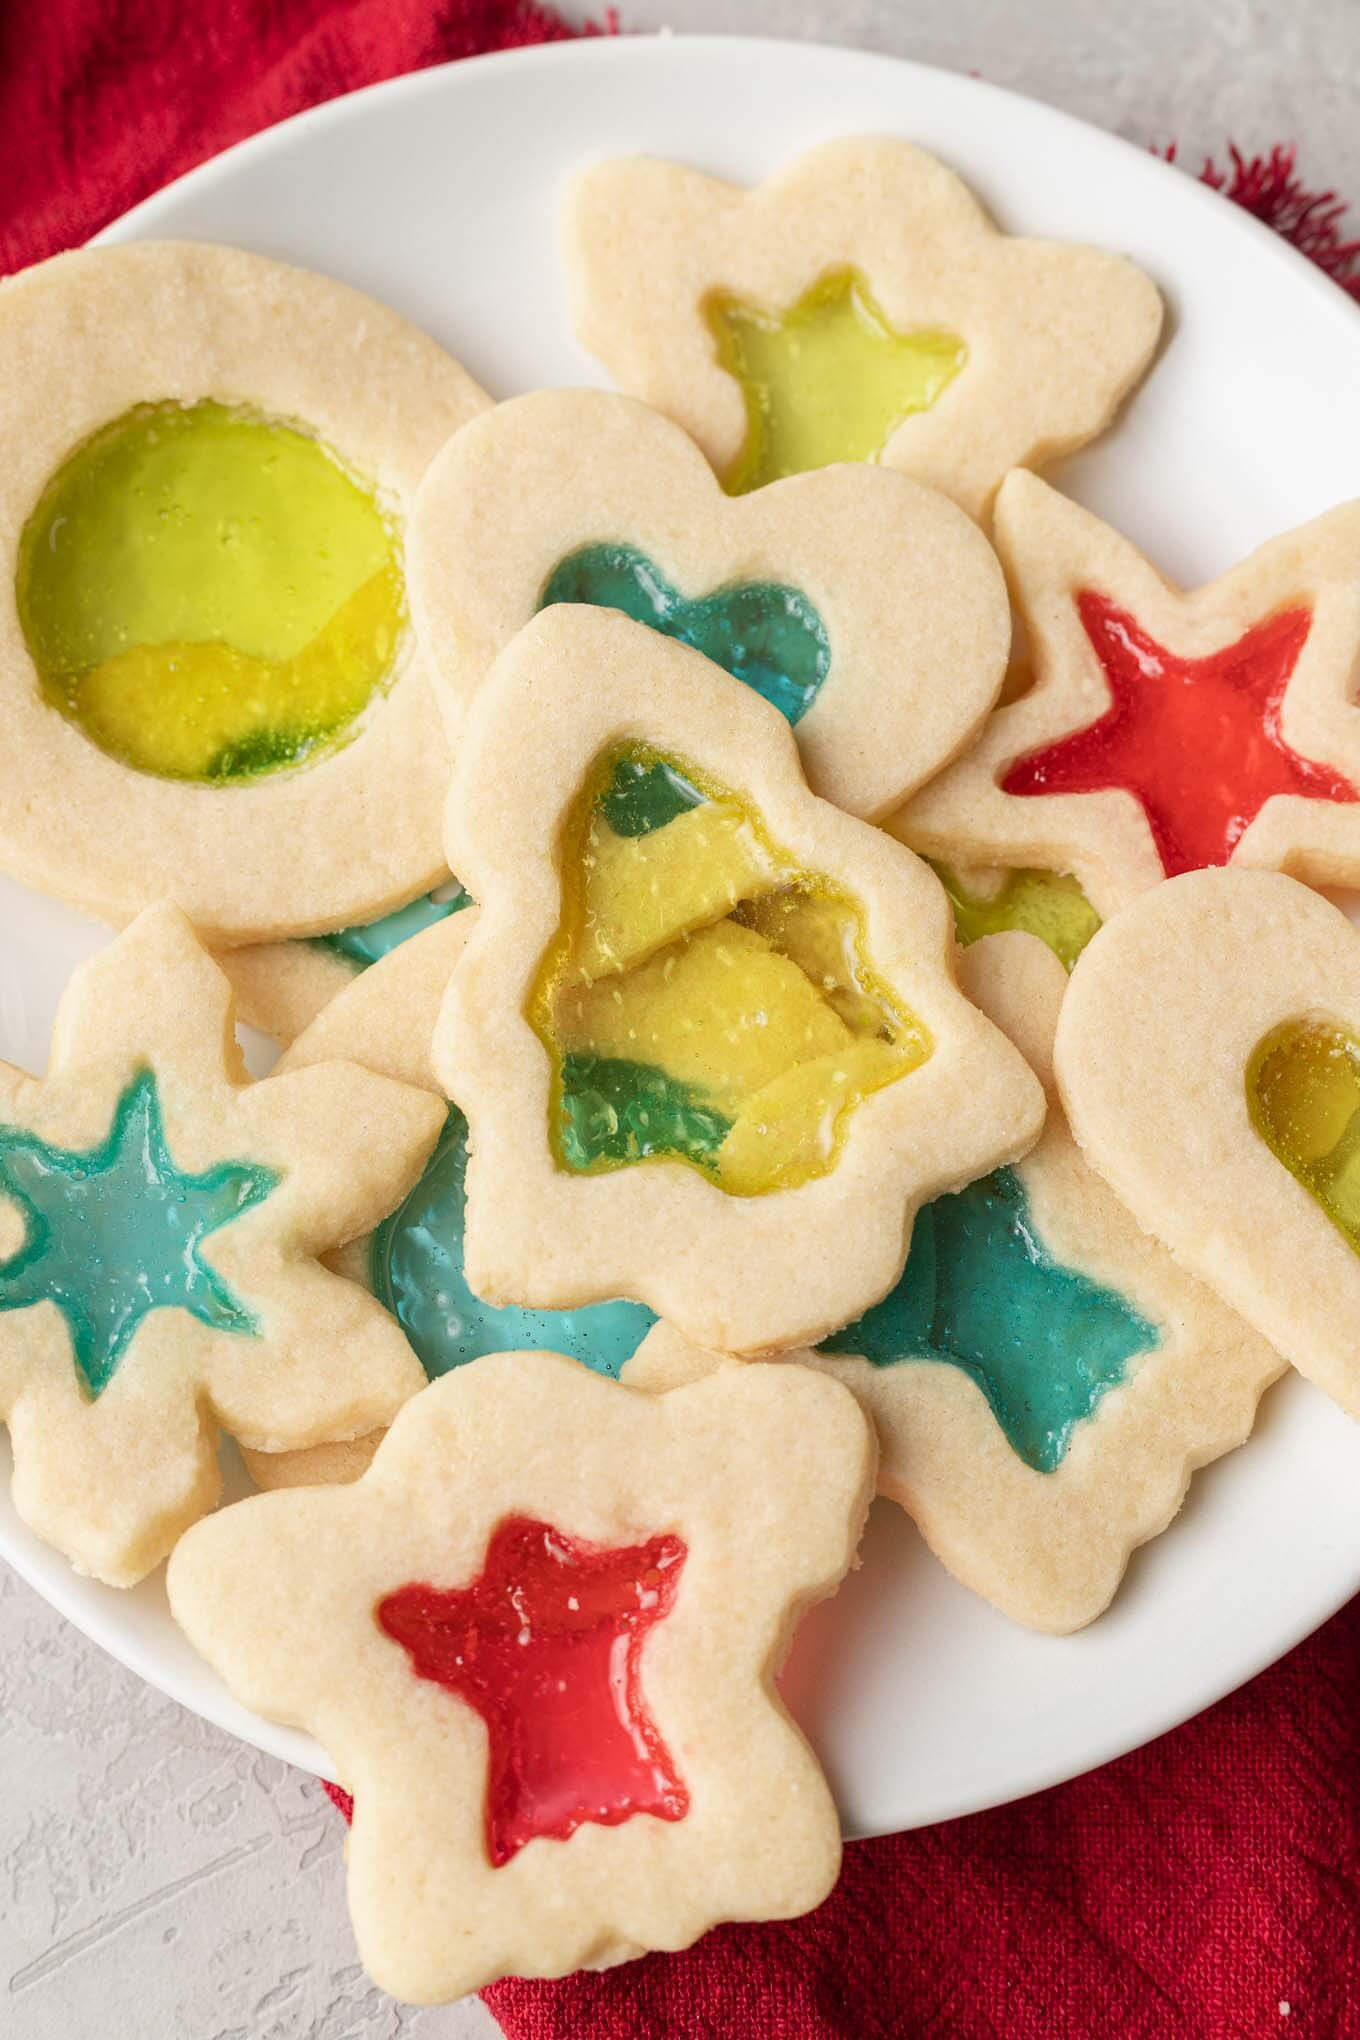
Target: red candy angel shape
[1196,741]
[545,1645]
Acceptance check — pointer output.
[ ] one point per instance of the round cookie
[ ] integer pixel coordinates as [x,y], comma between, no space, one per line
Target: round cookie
[868,609]
[210,689]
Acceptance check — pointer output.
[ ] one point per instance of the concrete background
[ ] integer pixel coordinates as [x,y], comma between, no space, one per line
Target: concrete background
[162,1881]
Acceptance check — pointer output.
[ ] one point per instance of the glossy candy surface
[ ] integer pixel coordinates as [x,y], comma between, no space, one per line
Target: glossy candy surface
[207,594]
[1303,1092]
[116,1231]
[546,1645]
[763,633]
[1048,904]
[1197,742]
[981,1290]
[416,1271]
[826,380]
[372,940]
[705,999]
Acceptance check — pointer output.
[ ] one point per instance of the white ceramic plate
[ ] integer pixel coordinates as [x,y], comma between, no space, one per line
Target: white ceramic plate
[438,193]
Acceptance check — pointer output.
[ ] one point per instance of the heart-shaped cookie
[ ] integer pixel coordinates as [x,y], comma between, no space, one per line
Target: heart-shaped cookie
[1209,1061]
[867,608]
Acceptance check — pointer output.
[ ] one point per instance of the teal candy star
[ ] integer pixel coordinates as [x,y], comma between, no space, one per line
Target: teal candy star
[980,1290]
[372,940]
[115,1231]
[761,632]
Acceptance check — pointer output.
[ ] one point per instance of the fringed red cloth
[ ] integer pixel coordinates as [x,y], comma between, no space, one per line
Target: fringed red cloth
[1205,1888]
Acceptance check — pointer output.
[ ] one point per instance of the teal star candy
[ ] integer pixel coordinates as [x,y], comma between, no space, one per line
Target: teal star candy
[116,1231]
[981,1290]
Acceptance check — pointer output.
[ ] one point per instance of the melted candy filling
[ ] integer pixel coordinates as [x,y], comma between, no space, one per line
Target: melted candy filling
[207,594]
[1048,904]
[1197,742]
[546,1646]
[981,1291]
[705,999]
[1303,1092]
[763,633]
[372,940]
[416,1270]
[114,1232]
[827,380]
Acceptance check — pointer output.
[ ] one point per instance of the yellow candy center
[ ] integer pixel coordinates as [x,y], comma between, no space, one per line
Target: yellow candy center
[827,380]
[208,594]
[706,999]
[1303,1092]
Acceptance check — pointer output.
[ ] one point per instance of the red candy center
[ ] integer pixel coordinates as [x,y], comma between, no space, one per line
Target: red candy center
[1196,741]
[545,1645]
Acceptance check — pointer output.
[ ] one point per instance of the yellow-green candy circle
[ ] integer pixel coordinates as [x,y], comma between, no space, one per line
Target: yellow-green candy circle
[209,594]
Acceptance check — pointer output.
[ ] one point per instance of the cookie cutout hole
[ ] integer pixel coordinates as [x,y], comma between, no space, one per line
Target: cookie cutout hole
[1197,742]
[116,1231]
[766,634]
[827,380]
[1303,1094]
[705,1000]
[209,595]
[1049,904]
[416,1272]
[982,1292]
[546,1646]
[372,940]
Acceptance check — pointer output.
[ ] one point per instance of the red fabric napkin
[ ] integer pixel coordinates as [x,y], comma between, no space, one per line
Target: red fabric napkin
[1206,1886]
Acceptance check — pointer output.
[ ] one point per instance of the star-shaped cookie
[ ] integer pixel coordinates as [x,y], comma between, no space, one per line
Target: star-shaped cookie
[160,1223]
[704,1032]
[1164,732]
[859,305]
[539,1640]
[868,609]
[1044,1379]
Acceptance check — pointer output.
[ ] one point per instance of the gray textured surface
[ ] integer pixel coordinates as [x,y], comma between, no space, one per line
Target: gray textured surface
[159,1880]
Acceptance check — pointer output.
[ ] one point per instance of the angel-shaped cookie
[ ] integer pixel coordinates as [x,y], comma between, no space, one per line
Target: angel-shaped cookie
[160,1222]
[868,609]
[1044,1379]
[539,1640]
[1209,1058]
[1164,732]
[704,1032]
[857,306]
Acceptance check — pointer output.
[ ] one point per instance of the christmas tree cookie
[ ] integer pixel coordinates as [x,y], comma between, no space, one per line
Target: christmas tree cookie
[704,1032]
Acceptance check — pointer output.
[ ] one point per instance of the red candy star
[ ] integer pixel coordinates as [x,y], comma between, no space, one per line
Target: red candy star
[545,1645]
[1196,741]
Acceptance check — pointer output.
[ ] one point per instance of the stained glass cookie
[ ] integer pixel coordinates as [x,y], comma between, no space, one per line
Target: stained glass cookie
[868,609]
[281,987]
[161,1220]
[705,1024]
[413,1262]
[210,687]
[857,306]
[539,1640]
[1165,732]
[1209,1058]
[1044,1379]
